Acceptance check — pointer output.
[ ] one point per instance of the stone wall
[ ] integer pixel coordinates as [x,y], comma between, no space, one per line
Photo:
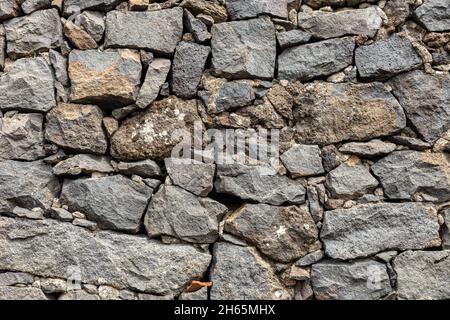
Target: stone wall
[354,203]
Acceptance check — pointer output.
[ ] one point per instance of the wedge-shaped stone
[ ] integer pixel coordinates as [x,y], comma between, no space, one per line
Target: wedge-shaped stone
[76,6]
[83,164]
[154,79]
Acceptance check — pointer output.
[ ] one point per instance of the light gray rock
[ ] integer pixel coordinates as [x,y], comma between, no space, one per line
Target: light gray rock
[281,233]
[35,214]
[386,58]
[114,202]
[240,273]
[434,15]
[292,38]
[103,258]
[21,293]
[405,174]
[27,185]
[310,258]
[244,49]
[76,6]
[373,148]
[324,25]
[144,168]
[303,160]
[27,86]
[156,76]
[425,100]
[10,278]
[50,285]
[193,176]
[317,59]
[93,23]
[59,64]
[423,275]
[188,66]
[78,295]
[195,26]
[8,9]
[178,213]
[234,95]
[83,164]
[368,229]
[37,32]
[90,225]
[257,184]
[30,6]
[244,9]
[21,136]
[359,280]
[163,30]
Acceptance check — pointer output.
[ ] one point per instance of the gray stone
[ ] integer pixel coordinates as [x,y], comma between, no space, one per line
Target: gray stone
[79,38]
[2,51]
[114,202]
[163,30]
[8,9]
[61,214]
[59,64]
[198,29]
[359,280]
[188,65]
[27,185]
[93,23]
[78,295]
[28,35]
[76,6]
[211,11]
[193,176]
[425,100]
[410,142]
[446,229]
[244,49]
[30,6]
[21,136]
[386,58]
[90,225]
[258,183]
[310,258]
[373,148]
[83,164]
[317,59]
[303,160]
[292,38]
[244,9]
[35,214]
[104,258]
[201,294]
[368,229]
[27,85]
[434,15]
[9,278]
[423,275]
[350,181]
[329,113]
[239,273]
[110,78]
[324,25]
[387,255]
[50,285]
[144,168]
[76,127]
[405,174]
[281,233]
[156,76]
[21,293]
[234,95]
[178,213]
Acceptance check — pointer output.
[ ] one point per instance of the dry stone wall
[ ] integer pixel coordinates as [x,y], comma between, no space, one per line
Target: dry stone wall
[352,98]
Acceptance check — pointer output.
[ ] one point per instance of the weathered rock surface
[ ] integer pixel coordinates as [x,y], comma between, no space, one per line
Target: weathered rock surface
[8,9]
[178,213]
[234,95]
[405,174]
[83,164]
[76,6]
[368,229]
[303,160]
[104,258]
[373,148]
[240,273]
[292,38]
[198,28]
[78,37]
[203,7]
[434,15]
[21,293]
[244,9]
[156,76]
[114,202]
[144,168]
[446,233]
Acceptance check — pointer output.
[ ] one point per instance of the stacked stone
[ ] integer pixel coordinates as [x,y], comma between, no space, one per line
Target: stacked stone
[92,206]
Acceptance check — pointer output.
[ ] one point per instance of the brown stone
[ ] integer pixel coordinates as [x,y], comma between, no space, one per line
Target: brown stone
[78,37]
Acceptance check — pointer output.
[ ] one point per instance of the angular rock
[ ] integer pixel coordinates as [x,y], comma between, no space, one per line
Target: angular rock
[110,78]
[198,29]
[234,95]
[281,233]
[434,15]
[386,58]
[368,229]
[292,38]
[76,6]
[217,12]
[373,148]
[8,9]
[239,273]
[114,202]
[76,127]
[317,59]
[153,133]
[281,100]
[21,293]
[423,275]
[163,30]
[410,142]
[156,76]
[324,25]
[37,32]
[30,6]
[406,174]
[27,185]
[359,280]
[104,258]
[303,160]
[93,23]
[27,86]
[244,9]
[310,259]
[83,164]
[59,64]
[78,37]
[145,168]
[329,113]
[188,65]
[244,49]
[178,213]
[425,100]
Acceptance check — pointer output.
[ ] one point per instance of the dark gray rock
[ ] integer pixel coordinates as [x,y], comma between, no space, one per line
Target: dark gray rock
[234,95]
[93,23]
[76,6]
[373,148]
[434,15]
[83,164]
[144,168]
[244,9]
[386,58]
[368,229]
[156,76]
[303,160]
[410,142]
[2,50]
[314,60]
[195,26]
[310,258]
[114,202]
[292,38]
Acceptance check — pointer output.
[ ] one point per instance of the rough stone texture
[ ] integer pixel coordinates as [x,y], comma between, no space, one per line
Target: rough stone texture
[234,95]
[21,293]
[244,9]
[303,160]
[8,9]
[178,213]
[203,7]
[78,37]
[373,148]
[423,275]
[446,230]
[93,23]
[405,174]
[144,168]
[74,6]
[156,76]
[83,164]
[292,38]
[434,15]
[114,202]
[244,49]
[198,28]
[369,229]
